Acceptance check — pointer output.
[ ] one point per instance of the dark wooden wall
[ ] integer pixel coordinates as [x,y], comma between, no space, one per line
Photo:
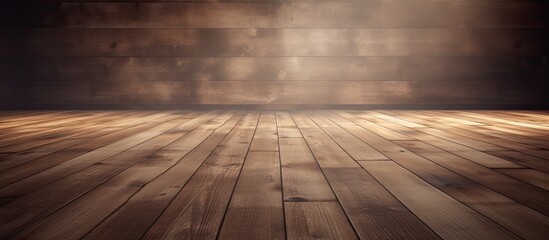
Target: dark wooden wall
[274,52]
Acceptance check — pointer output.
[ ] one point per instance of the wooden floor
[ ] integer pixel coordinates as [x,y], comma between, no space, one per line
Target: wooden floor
[274,175]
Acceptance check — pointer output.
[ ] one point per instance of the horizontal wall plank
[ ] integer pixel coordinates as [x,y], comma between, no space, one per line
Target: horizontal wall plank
[275,68]
[277,92]
[290,1]
[275,42]
[295,15]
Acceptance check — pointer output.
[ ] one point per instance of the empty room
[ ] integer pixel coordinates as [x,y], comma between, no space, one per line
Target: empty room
[274,119]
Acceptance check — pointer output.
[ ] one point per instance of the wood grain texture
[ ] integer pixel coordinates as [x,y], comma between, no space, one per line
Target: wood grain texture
[207,194]
[256,210]
[295,15]
[199,174]
[357,149]
[532,176]
[301,174]
[319,220]
[147,204]
[233,42]
[276,68]
[150,54]
[420,196]
[304,1]
[174,93]
[528,195]
[370,207]
[266,134]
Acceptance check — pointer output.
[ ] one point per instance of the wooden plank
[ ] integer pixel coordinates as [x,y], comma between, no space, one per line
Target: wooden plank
[317,220]
[533,137]
[80,216]
[515,117]
[23,121]
[442,213]
[375,128]
[289,42]
[517,130]
[112,137]
[327,153]
[488,160]
[69,124]
[176,133]
[173,93]
[356,148]
[80,211]
[19,146]
[21,171]
[396,120]
[191,139]
[302,121]
[121,196]
[493,205]
[501,140]
[134,218]
[377,140]
[208,192]
[435,130]
[302,178]
[256,208]
[320,120]
[266,134]
[294,15]
[447,143]
[371,208]
[51,197]
[78,118]
[254,1]
[486,201]
[531,115]
[367,204]
[147,117]
[481,145]
[470,142]
[505,121]
[52,134]
[286,126]
[61,119]
[339,120]
[78,139]
[120,188]
[51,174]
[13,142]
[32,116]
[372,139]
[66,135]
[532,176]
[521,192]
[532,143]
[450,119]
[11,160]
[441,68]
[523,159]
[509,141]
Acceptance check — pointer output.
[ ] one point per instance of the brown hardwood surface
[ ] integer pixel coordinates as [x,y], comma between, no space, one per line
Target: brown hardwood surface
[233,174]
[277,54]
